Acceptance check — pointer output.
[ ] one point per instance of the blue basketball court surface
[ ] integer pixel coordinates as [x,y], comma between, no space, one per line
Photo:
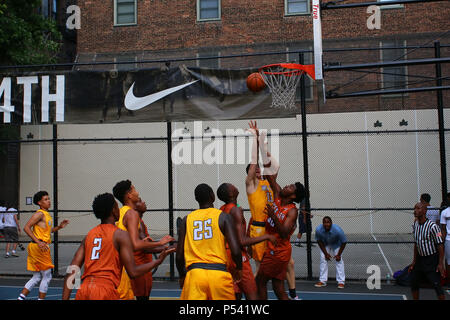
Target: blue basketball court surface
[167,290]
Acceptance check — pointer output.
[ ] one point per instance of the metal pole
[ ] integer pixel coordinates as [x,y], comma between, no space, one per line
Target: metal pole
[333,95]
[412,62]
[306,170]
[170,178]
[55,199]
[440,108]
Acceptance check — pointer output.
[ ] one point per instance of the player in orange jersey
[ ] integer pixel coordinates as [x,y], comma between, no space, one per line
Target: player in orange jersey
[142,285]
[228,193]
[104,251]
[281,222]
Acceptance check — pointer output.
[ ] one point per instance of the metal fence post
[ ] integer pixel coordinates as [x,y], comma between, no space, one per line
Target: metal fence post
[306,170]
[170,191]
[55,200]
[440,109]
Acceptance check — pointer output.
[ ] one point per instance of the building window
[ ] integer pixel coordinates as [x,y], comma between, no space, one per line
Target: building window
[125,12]
[293,57]
[394,77]
[294,7]
[208,10]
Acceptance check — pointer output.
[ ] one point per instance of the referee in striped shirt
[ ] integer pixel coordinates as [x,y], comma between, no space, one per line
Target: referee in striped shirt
[428,260]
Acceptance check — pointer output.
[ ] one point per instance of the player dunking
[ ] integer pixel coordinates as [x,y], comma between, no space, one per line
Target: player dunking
[201,257]
[259,194]
[228,193]
[104,252]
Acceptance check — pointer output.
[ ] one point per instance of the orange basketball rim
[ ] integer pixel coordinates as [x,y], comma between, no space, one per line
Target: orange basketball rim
[289,69]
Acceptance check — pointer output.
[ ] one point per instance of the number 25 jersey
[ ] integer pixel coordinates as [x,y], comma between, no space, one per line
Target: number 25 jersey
[204,241]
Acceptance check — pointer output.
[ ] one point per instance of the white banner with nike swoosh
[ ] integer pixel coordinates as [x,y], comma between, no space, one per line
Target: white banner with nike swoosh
[145,95]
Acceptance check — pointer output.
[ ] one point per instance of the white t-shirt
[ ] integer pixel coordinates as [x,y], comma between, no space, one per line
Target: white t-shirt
[433,214]
[1,216]
[9,218]
[445,219]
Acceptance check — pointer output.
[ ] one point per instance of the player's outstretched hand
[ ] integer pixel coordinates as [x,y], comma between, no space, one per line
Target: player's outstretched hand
[269,210]
[166,239]
[166,252]
[63,223]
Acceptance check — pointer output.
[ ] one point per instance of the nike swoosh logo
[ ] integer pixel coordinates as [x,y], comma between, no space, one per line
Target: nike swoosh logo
[135,103]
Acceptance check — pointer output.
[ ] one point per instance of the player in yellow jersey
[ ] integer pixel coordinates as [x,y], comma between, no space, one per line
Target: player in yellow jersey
[201,256]
[39,261]
[259,194]
[129,220]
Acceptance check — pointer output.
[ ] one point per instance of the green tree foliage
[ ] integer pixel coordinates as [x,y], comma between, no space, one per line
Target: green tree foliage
[26,37]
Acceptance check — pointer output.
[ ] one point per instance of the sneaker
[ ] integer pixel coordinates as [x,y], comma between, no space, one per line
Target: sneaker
[14,254]
[7,255]
[294,298]
[341,286]
[320,284]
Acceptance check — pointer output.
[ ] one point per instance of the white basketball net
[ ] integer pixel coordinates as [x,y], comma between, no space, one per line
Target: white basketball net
[283,84]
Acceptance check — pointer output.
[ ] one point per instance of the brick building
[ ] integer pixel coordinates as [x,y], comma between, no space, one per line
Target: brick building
[139,30]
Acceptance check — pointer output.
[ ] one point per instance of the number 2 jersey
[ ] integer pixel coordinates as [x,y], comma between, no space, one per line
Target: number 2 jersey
[101,258]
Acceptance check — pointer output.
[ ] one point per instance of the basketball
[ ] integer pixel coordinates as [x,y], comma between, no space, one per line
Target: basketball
[255,82]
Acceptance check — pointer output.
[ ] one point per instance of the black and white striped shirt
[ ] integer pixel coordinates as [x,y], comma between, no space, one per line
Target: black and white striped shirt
[427,237]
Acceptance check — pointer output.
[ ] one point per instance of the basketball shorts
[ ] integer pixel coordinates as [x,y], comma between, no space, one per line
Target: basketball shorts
[37,259]
[11,234]
[203,284]
[247,284]
[142,285]
[125,289]
[97,289]
[274,264]
[257,250]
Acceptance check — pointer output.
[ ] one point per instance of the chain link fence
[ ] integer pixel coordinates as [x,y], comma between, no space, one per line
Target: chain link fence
[367,181]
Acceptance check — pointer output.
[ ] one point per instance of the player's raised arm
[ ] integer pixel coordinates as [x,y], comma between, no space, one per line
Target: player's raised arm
[251,181]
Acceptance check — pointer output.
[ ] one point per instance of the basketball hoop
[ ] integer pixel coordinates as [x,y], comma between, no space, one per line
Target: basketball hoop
[282,80]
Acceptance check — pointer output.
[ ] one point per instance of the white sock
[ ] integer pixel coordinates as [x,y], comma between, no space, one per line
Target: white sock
[21,297]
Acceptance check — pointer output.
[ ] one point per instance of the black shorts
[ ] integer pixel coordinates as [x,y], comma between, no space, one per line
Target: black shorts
[301,224]
[10,234]
[425,269]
